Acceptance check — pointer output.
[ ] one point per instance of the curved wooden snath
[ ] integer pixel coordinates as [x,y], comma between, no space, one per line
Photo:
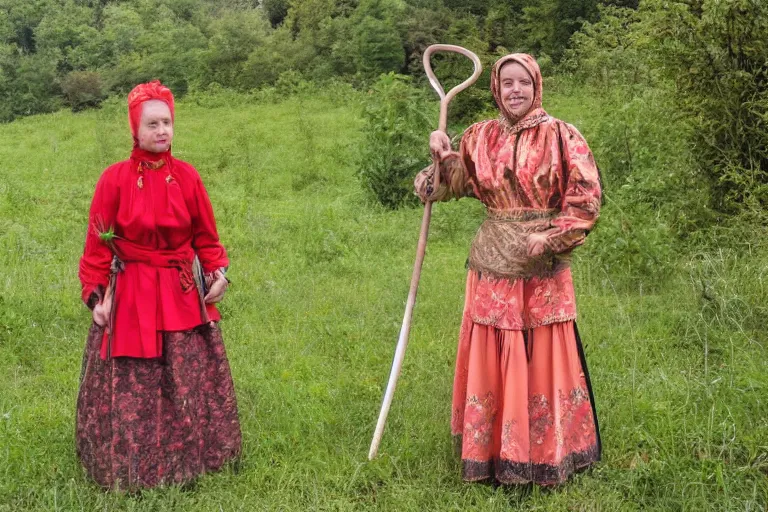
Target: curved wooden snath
[402,342]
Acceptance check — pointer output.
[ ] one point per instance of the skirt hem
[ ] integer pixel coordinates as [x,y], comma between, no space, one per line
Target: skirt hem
[509,472]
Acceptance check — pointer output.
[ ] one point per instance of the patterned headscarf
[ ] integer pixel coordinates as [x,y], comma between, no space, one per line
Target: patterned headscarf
[530,65]
[153,90]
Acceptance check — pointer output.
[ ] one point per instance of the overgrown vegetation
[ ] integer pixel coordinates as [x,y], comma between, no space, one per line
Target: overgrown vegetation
[709,59]
[397,118]
[305,96]
[700,63]
[310,322]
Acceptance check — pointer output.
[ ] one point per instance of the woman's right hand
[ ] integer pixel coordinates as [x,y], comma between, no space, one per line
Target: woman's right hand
[103,309]
[439,145]
[536,244]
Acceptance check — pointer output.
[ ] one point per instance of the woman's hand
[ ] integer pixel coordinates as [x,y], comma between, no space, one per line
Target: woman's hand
[103,309]
[537,244]
[216,288]
[439,145]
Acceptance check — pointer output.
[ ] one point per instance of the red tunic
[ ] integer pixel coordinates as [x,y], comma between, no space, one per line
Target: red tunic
[161,218]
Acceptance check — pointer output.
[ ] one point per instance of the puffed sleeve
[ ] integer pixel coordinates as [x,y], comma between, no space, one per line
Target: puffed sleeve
[97,256]
[581,199]
[205,237]
[454,173]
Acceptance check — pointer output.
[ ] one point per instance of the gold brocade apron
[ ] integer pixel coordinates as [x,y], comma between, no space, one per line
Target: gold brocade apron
[500,247]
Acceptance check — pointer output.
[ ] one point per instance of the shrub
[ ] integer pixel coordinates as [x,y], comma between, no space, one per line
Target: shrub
[291,82]
[82,89]
[398,121]
[612,52]
[716,52]
[33,85]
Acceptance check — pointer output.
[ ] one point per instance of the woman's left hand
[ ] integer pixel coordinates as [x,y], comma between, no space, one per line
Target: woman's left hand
[537,244]
[216,289]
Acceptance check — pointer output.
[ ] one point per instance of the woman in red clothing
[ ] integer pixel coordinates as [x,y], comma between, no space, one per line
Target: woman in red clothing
[522,401]
[156,403]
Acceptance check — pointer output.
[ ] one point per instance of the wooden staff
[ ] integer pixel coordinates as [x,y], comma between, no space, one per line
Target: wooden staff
[402,342]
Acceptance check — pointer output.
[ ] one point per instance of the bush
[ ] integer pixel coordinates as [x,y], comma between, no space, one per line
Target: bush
[33,86]
[612,52]
[638,132]
[290,83]
[398,121]
[716,52]
[82,89]
[631,243]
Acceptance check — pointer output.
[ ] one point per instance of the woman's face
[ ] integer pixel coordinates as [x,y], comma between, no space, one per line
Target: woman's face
[156,127]
[516,89]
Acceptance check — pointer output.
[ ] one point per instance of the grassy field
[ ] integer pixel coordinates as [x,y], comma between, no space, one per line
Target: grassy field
[319,283]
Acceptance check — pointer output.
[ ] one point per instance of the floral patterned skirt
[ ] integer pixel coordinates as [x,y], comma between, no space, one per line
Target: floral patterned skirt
[522,404]
[146,422]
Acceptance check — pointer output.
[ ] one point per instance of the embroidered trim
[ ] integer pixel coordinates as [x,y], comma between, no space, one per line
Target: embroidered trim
[151,166]
[524,326]
[493,320]
[511,472]
[551,319]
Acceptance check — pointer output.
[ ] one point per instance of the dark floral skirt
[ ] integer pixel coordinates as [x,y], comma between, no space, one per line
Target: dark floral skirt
[147,422]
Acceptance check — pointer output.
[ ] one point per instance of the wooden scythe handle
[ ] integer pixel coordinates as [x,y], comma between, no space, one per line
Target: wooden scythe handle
[402,342]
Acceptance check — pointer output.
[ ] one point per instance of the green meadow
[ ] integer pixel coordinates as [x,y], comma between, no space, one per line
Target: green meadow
[320,275]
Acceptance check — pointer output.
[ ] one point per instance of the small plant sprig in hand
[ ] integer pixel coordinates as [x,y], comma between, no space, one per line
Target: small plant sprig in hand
[106,234]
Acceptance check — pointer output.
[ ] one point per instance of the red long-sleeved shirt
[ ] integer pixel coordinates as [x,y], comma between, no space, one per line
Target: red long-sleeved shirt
[164,210]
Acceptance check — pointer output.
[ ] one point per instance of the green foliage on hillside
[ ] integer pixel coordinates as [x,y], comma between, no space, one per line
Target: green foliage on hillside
[680,129]
[192,44]
[319,279]
[709,59]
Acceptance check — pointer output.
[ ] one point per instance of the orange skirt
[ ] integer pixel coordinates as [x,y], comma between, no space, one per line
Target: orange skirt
[522,404]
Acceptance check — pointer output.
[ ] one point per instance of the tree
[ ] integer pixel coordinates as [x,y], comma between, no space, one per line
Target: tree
[716,52]
[233,39]
[376,38]
[23,18]
[473,7]
[305,16]
[35,88]
[275,10]
[549,24]
[122,28]
[613,51]
[421,27]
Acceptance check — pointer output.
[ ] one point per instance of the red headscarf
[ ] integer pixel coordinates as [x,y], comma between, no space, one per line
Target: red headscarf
[532,67]
[153,90]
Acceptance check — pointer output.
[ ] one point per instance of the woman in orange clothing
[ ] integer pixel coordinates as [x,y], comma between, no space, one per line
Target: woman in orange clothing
[156,403]
[522,401]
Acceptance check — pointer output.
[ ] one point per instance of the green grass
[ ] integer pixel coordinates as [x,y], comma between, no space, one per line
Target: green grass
[320,278]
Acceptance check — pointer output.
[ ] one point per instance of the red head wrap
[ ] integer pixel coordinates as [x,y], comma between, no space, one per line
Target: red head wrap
[153,90]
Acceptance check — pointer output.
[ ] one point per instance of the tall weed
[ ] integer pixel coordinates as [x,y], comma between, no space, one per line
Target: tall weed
[399,119]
